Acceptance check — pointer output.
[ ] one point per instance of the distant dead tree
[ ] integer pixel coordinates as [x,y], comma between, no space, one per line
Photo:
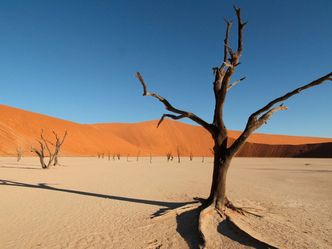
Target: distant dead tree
[44,148]
[137,157]
[19,153]
[109,156]
[202,159]
[178,154]
[98,156]
[150,158]
[113,157]
[224,152]
[118,156]
[102,155]
[58,143]
[191,156]
[169,156]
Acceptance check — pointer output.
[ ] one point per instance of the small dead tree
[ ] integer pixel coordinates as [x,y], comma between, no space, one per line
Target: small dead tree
[19,153]
[202,159]
[118,156]
[109,156]
[150,158]
[191,156]
[44,148]
[223,152]
[137,157]
[178,154]
[169,156]
[58,143]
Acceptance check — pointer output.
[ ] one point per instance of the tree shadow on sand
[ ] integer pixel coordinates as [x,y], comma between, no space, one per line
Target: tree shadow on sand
[18,167]
[166,206]
[230,230]
[187,224]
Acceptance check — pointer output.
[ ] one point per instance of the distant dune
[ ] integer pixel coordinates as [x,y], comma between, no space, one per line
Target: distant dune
[19,128]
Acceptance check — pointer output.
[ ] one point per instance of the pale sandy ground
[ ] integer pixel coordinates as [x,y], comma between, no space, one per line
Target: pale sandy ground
[95,203]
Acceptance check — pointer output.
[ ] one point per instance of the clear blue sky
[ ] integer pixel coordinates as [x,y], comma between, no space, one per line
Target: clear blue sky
[76,60]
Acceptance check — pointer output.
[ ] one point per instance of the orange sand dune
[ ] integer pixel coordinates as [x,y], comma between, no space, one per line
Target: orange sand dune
[19,128]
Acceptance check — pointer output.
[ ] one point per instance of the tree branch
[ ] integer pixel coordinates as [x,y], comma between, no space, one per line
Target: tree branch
[171,108]
[258,118]
[290,94]
[224,79]
[240,31]
[226,40]
[235,83]
[171,116]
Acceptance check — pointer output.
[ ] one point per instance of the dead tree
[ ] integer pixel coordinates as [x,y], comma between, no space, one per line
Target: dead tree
[44,146]
[109,156]
[118,156]
[202,159]
[178,154]
[223,152]
[58,143]
[150,158]
[169,156]
[191,156]
[19,153]
[137,157]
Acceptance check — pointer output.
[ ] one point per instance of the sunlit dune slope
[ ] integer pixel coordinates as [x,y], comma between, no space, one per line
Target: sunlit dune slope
[19,128]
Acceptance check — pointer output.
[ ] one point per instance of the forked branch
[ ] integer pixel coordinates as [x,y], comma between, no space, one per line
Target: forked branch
[224,73]
[169,107]
[258,118]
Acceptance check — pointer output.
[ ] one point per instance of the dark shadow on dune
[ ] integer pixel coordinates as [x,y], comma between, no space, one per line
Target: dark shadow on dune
[18,167]
[294,170]
[167,205]
[228,229]
[187,224]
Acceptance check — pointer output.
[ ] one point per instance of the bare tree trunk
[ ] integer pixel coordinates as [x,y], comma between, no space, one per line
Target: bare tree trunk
[56,162]
[19,152]
[58,144]
[217,195]
[42,162]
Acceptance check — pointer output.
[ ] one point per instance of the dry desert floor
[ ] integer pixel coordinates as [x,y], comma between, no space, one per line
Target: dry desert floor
[96,203]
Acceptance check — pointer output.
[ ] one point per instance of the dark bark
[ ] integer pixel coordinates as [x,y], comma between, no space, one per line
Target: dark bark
[58,144]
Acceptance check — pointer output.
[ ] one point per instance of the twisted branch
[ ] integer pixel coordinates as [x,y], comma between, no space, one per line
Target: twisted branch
[169,107]
[258,118]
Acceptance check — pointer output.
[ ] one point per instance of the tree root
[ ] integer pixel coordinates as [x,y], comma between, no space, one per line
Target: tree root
[208,223]
[231,206]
